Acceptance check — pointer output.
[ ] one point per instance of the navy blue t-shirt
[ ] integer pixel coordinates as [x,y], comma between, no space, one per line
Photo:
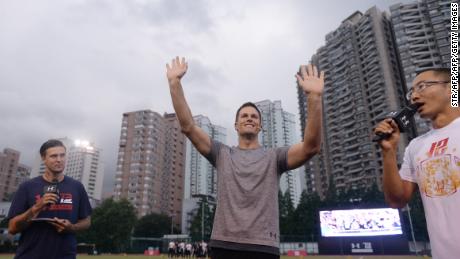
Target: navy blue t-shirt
[40,239]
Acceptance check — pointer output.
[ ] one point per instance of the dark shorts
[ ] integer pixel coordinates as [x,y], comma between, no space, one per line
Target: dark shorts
[220,253]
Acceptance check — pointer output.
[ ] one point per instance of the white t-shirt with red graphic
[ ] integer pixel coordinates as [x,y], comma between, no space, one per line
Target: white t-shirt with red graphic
[433,162]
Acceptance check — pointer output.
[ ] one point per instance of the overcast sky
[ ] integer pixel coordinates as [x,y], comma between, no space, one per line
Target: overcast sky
[71,68]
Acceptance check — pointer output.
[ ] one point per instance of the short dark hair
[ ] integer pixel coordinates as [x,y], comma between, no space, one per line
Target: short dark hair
[247,104]
[444,71]
[49,144]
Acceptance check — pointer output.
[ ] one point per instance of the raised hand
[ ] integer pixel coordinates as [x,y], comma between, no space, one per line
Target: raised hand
[309,79]
[177,69]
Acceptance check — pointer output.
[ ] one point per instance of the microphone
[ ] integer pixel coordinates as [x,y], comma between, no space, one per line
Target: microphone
[52,188]
[402,119]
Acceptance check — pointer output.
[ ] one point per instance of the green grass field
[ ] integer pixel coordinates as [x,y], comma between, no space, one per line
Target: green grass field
[5,256]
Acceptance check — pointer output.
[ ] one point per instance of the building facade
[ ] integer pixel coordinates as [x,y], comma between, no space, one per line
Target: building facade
[363,83]
[12,173]
[279,130]
[151,164]
[200,175]
[422,33]
[174,173]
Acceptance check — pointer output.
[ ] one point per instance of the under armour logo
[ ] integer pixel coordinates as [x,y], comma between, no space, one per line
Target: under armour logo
[51,188]
[405,121]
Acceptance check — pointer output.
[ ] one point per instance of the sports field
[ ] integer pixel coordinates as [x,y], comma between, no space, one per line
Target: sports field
[283,257]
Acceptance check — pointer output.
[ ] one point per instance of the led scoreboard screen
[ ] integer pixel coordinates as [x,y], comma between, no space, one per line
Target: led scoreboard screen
[360,222]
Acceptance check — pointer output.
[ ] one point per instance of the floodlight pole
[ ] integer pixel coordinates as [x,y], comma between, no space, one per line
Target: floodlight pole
[202,219]
[204,198]
[172,216]
[411,228]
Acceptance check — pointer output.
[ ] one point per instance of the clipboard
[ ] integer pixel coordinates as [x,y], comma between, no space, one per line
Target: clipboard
[43,220]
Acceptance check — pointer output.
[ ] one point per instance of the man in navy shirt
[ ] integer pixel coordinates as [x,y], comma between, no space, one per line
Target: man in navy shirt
[48,210]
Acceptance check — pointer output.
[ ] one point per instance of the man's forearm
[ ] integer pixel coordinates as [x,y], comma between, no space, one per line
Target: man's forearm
[183,113]
[313,128]
[82,225]
[392,183]
[22,221]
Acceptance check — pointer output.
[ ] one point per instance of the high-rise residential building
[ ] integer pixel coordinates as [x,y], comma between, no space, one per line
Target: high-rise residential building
[174,169]
[22,174]
[362,84]
[12,173]
[279,130]
[151,163]
[83,163]
[422,33]
[4,208]
[140,161]
[200,175]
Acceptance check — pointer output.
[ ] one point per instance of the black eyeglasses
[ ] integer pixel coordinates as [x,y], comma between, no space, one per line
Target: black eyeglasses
[422,86]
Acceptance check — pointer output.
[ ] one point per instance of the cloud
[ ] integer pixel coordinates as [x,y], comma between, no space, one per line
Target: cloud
[72,68]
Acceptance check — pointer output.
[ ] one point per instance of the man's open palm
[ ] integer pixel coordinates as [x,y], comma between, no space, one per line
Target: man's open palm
[310,80]
[177,69]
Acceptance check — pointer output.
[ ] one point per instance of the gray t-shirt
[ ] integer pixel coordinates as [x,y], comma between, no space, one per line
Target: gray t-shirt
[247,193]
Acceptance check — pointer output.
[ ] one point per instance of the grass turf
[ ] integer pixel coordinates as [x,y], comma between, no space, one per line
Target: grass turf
[9,256]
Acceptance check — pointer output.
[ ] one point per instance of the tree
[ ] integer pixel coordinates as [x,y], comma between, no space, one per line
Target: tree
[111,226]
[6,245]
[373,197]
[418,219]
[9,196]
[200,223]
[153,225]
[4,223]
[354,197]
[331,197]
[286,213]
[306,219]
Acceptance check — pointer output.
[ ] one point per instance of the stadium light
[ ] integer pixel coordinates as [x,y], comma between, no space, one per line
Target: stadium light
[84,144]
[172,217]
[407,208]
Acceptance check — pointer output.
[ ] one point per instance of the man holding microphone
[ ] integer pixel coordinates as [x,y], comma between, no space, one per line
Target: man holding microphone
[49,209]
[431,162]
